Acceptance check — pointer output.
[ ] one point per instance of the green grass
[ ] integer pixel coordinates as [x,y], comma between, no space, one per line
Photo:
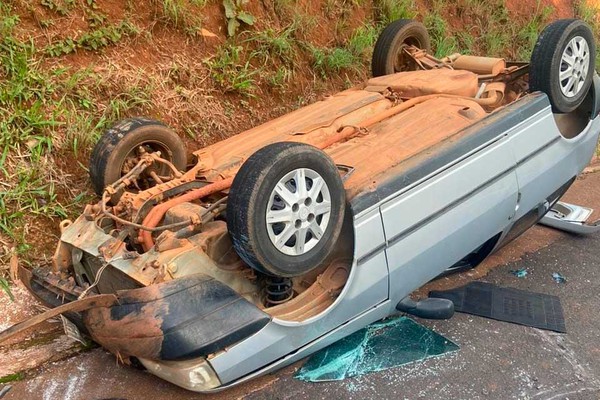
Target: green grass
[231,72]
[442,42]
[362,41]
[43,113]
[271,44]
[12,377]
[390,10]
[5,286]
[328,61]
[527,35]
[590,15]
[93,40]
[184,15]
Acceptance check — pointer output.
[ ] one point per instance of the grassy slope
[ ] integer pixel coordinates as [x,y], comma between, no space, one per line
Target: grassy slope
[69,69]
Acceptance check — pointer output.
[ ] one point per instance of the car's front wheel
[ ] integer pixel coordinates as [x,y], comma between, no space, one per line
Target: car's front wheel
[285,209]
[119,149]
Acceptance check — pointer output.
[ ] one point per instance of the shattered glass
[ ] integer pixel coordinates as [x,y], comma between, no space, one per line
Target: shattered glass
[379,346]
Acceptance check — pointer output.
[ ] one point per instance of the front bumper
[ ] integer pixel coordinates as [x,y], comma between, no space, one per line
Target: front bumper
[170,327]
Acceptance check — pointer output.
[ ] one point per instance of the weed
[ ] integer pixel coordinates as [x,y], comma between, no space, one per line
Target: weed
[388,11]
[236,15]
[65,46]
[180,15]
[6,288]
[443,43]
[96,19]
[62,7]
[280,78]
[340,9]
[46,23]
[590,15]
[103,37]
[465,42]
[12,377]
[231,72]
[333,61]
[93,40]
[528,34]
[362,41]
[272,43]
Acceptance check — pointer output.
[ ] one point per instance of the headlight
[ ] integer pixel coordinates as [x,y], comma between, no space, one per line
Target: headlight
[196,375]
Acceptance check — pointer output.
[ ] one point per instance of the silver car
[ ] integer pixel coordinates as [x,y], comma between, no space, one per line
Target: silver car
[275,243]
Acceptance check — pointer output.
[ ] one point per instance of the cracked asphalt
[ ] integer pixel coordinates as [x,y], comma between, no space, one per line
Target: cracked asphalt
[496,360]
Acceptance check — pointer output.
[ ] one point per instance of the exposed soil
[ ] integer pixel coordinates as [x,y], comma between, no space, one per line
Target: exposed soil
[524,8]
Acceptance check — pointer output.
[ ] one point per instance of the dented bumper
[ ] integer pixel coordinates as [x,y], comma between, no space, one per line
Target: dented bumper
[176,320]
[170,327]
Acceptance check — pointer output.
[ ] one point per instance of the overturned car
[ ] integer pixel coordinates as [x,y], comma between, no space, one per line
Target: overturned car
[282,239]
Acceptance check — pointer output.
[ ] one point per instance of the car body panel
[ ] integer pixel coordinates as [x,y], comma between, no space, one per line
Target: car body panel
[428,224]
[367,287]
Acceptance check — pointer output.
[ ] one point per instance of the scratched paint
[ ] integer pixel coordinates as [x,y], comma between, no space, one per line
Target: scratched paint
[377,347]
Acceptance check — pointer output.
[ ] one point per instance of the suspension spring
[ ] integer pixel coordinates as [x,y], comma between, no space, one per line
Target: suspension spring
[278,290]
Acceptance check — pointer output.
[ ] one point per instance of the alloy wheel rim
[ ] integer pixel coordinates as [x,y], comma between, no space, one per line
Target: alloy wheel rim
[574,65]
[298,211]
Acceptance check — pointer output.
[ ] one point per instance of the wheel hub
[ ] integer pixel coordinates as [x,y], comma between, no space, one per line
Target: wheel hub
[574,65]
[298,211]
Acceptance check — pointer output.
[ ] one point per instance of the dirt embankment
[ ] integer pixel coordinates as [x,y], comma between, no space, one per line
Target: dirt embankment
[92,63]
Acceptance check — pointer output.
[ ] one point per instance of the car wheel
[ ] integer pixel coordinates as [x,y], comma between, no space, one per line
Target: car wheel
[119,148]
[388,54]
[562,63]
[285,209]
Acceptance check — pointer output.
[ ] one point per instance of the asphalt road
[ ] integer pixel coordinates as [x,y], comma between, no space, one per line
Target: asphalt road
[496,360]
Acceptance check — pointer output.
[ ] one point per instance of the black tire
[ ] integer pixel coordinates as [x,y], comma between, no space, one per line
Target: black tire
[546,63]
[117,143]
[387,49]
[252,195]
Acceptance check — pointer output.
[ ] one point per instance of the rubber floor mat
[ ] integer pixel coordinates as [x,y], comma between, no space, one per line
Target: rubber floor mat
[379,346]
[507,304]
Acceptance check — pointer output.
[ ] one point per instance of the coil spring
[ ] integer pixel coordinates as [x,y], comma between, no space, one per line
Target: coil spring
[278,290]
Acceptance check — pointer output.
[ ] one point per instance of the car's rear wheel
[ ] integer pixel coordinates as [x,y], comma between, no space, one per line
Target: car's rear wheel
[562,63]
[285,209]
[389,56]
[120,147]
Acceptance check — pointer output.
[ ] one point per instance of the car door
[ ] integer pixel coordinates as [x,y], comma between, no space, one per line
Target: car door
[447,214]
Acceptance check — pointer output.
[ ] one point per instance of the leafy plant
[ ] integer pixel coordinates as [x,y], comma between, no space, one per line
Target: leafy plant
[272,43]
[6,288]
[443,43]
[388,11]
[236,15]
[230,72]
[93,40]
[333,61]
[280,77]
[61,7]
[61,47]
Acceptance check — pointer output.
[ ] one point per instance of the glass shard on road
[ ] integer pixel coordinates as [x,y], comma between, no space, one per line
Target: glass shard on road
[379,346]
